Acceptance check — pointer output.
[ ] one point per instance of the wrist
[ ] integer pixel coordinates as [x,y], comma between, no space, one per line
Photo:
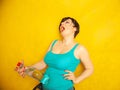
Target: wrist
[29,69]
[75,81]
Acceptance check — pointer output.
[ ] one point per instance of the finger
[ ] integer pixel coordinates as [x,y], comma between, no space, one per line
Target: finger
[68,71]
[66,75]
[22,74]
[24,69]
[68,78]
[21,70]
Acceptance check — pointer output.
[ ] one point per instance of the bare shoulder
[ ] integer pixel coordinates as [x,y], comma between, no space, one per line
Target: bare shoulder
[81,51]
[50,45]
[81,48]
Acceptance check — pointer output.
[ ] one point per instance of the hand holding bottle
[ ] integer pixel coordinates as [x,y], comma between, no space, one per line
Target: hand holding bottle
[31,71]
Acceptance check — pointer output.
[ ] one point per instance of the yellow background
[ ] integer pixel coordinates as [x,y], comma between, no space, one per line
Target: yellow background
[27,27]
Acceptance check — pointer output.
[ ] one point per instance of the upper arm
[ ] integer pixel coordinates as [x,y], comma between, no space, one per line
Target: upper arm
[85,58]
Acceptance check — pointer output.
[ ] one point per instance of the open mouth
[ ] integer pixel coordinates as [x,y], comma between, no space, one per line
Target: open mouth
[62,28]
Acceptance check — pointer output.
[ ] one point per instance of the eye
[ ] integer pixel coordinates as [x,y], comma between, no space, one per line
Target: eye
[67,22]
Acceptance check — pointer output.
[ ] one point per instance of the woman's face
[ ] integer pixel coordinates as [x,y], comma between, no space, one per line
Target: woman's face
[67,28]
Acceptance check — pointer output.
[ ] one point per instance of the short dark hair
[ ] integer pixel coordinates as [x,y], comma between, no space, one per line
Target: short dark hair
[76,24]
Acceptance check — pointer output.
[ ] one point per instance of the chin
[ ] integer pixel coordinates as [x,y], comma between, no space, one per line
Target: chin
[65,34]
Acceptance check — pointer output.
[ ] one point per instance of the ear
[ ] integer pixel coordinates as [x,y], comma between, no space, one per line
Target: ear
[74,28]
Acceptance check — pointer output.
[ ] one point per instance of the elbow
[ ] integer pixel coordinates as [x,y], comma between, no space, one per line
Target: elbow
[90,71]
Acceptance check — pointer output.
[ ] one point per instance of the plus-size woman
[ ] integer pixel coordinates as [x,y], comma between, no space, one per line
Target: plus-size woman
[62,58]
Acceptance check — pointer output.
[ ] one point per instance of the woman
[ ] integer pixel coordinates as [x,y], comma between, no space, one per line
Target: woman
[62,58]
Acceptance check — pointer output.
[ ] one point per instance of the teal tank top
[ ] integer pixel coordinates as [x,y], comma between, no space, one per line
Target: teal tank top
[57,64]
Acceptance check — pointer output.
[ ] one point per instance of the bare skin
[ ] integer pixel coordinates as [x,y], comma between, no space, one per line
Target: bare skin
[67,30]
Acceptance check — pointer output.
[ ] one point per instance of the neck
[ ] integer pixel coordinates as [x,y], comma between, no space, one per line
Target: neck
[68,40]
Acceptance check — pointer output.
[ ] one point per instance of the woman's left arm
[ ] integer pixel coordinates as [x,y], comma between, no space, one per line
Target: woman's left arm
[85,59]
